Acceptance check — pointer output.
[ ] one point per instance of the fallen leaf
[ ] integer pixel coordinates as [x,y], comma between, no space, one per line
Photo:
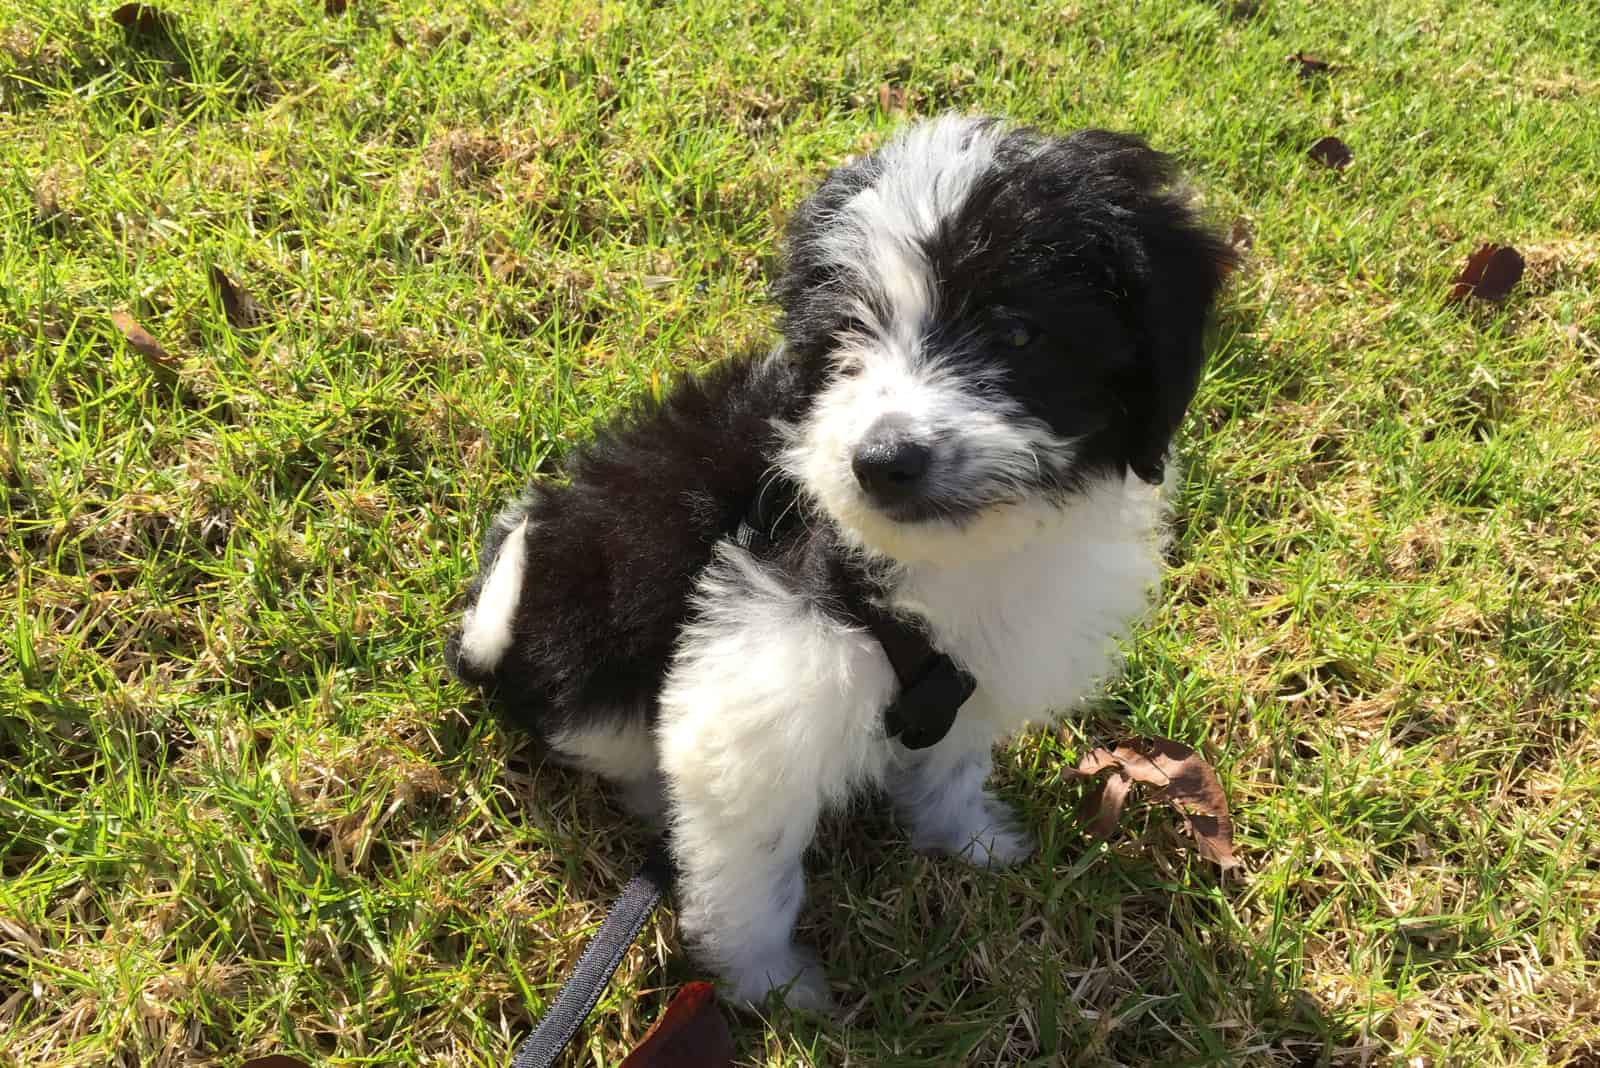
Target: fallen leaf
[1310,66]
[1332,152]
[1097,760]
[164,363]
[690,1033]
[335,7]
[1489,274]
[891,99]
[237,304]
[1104,808]
[1213,834]
[142,18]
[1179,776]
[276,1060]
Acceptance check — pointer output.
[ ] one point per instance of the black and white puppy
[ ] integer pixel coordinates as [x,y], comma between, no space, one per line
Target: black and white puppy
[989,336]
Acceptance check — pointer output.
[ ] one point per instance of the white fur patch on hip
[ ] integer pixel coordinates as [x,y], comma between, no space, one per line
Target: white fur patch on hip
[486,630]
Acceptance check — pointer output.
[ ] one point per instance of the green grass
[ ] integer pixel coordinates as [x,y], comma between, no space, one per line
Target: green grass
[242,810]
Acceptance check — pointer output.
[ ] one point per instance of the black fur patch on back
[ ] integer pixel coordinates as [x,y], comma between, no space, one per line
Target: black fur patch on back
[613,552]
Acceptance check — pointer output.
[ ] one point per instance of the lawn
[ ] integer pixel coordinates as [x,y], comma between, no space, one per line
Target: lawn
[242,810]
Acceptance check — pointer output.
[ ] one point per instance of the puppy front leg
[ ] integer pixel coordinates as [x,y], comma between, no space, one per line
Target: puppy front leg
[771,712]
[939,796]
[740,886]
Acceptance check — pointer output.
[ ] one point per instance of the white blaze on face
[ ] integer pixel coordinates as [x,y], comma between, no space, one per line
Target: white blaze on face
[924,178]
[981,441]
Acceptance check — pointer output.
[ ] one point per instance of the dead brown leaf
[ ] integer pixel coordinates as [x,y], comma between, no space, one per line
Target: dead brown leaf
[237,304]
[1332,152]
[1310,66]
[891,99]
[1103,809]
[142,18]
[1490,273]
[690,1033]
[1178,776]
[162,362]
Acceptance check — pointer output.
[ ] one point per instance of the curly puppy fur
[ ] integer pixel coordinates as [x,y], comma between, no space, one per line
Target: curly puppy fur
[989,336]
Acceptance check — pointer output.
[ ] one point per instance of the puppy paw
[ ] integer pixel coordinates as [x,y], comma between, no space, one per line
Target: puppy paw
[998,846]
[793,973]
[988,838]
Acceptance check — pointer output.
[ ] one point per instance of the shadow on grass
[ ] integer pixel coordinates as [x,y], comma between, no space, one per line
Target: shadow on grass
[1082,955]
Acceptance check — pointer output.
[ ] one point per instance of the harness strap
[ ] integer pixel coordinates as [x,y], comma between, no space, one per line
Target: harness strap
[932,687]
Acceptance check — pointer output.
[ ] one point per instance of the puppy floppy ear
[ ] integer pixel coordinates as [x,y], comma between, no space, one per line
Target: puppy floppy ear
[1169,270]
[808,273]
[1184,267]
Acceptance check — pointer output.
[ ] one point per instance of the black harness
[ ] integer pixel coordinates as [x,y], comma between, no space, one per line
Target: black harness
[932,690]
[932,687]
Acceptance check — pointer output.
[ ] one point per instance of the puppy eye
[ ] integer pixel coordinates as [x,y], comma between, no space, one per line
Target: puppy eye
[1014,331]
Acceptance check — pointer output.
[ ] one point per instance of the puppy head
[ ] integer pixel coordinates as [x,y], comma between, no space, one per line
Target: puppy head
[994,316]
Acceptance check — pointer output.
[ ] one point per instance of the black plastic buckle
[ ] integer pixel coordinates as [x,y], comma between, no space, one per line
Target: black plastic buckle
[924,711]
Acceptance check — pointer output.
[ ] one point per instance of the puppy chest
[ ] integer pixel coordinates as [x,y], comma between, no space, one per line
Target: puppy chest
[1041,626]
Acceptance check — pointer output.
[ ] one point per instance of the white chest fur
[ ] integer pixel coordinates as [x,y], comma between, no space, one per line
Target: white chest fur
[1038,623]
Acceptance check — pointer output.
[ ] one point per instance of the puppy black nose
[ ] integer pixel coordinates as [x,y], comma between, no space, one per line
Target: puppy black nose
[890,463]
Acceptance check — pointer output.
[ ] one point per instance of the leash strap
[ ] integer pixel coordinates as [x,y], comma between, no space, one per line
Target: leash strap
[600,960]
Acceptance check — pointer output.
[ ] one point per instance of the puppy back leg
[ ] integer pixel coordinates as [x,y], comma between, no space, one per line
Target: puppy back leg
[939,795]
[620,749]
[770,713]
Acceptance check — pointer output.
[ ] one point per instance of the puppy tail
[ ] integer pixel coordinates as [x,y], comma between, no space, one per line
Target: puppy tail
[474,653]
